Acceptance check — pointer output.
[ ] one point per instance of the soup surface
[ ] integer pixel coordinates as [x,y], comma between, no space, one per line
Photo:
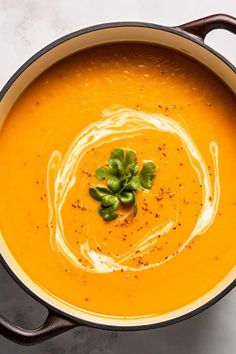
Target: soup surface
[167,109]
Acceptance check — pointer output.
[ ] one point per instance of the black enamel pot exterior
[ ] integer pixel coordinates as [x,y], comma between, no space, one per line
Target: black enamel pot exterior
[59,320]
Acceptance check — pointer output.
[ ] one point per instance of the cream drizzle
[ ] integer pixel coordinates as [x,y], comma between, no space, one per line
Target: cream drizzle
[117,124]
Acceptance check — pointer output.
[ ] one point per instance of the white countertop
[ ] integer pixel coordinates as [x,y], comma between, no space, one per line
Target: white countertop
[25,27]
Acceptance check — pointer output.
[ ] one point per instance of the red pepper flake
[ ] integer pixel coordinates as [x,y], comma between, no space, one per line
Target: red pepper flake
[87,172]
[186,202]
[159,197]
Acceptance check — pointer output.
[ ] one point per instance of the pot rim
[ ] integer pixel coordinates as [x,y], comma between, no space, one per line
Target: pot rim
[176,31]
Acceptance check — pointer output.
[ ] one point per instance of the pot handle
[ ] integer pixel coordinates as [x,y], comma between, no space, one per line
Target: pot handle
[52,326]
[200,28]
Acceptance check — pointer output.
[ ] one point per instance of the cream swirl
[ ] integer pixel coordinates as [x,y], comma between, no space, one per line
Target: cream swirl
[117,124]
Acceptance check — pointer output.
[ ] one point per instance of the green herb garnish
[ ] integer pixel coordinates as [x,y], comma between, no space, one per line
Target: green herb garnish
[123,181]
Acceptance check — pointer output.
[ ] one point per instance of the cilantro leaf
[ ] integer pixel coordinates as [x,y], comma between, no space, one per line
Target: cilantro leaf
[132,169]
[113,183]
[118,154]
[99,192]
[130,157]
[134,184]
[117,167]
[127,198]
[102,173]
[147,174]
[108,214]
[123,181]
[108,200]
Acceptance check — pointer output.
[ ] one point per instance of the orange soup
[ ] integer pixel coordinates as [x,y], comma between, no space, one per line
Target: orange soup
[117,181]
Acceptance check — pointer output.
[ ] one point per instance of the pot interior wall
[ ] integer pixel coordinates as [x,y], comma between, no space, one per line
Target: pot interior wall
[127,33]
[115,34]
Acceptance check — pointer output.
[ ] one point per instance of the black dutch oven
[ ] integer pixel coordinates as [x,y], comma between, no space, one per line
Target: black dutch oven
[187,38]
